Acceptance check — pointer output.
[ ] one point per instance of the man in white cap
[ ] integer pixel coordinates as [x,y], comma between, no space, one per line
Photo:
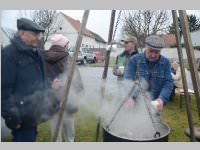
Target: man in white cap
[154,68]
[130,45]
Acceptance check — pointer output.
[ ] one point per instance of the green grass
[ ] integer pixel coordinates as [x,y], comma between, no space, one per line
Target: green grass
[188,67]
[85,123]
[177,119]
[101,64]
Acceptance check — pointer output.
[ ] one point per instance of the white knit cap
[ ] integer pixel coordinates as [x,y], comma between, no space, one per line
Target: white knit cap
[59,39]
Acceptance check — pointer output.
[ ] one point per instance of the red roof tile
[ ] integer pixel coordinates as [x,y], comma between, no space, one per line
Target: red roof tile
[77,25]
[170,39]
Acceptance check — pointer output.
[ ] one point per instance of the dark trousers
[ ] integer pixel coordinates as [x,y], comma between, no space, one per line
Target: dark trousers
[173,93]
[25,135]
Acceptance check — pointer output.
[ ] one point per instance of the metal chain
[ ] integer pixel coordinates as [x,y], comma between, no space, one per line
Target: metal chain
[146,98]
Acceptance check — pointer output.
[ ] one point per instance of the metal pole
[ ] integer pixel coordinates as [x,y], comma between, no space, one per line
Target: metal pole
[71,72]
[191,58]
[104,76]
[112,21]
[185,87]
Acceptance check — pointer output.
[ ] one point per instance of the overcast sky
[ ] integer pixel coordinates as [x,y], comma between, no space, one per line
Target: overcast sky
[98,20]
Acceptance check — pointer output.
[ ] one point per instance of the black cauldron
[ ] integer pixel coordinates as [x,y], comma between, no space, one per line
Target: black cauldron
[110,136]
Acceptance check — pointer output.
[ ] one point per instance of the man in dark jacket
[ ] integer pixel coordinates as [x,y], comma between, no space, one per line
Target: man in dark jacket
[23,82]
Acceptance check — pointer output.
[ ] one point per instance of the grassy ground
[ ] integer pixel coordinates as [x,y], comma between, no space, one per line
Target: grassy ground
[101,64]
[85,123]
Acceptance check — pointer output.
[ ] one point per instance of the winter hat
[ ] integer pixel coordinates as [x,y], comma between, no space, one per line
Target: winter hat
[155,42]
[58,39]
[130,38]
[28,25]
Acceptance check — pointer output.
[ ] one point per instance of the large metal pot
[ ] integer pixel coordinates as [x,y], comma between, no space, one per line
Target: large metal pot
[111,136]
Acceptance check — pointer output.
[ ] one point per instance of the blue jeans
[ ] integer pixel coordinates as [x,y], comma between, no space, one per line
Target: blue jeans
[25,135]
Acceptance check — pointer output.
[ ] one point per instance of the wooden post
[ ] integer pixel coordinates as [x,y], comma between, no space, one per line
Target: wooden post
[71,72]
[185,87]
[104,76]
[191,58]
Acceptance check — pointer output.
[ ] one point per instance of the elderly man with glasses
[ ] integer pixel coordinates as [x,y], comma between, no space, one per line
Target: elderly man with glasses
[23,83]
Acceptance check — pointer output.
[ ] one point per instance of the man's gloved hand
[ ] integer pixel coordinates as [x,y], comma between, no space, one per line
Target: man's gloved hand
[129,103]
[158,105]
[118,70]
[18,126]
[56,84]
[54,102]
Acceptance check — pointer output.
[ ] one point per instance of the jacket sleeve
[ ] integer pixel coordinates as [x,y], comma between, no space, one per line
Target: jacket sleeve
[130,74]
[167,84]
[9,110]
[130,71]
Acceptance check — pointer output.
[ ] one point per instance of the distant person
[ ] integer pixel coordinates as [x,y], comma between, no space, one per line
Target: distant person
[57,62]
[177,77]
[155,69]
[130,45]
[23,85]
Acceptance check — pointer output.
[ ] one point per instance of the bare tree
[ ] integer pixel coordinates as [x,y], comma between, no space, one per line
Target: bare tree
[142,23]
[47,19]
[9,32]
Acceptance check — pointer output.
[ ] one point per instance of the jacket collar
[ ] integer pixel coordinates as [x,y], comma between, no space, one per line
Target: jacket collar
[21,46]
[125,53]
[144,59]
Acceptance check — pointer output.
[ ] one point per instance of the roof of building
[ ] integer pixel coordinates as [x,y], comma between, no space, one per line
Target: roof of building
[98,38]
[77,25]
[170,39]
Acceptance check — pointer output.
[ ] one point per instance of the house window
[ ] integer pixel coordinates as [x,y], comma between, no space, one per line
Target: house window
[86,45]
[82,45]
[60,28]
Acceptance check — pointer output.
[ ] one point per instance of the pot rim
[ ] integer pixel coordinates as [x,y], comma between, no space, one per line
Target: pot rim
[142,140]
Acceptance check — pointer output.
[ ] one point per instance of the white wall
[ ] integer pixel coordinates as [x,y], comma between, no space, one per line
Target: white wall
[195,37]
[71,33]
[67,30]
[172,53]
